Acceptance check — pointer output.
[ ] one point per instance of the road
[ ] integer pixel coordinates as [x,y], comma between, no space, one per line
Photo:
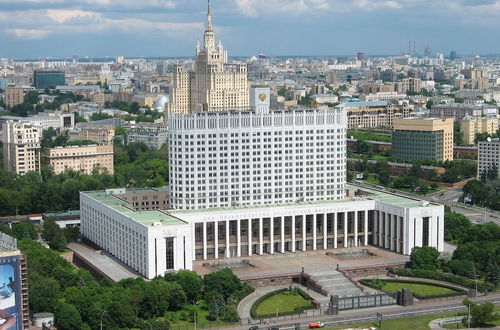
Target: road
[448,197]
[395,312]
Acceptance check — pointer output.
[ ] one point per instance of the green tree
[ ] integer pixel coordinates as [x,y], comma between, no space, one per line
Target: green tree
[365,148]
[424,258]
[223,281]
[458,135]
[53,235]
[216,307]
[456,226]
[282,92]
[31,97]
[481,314]
[492,272]
[67,317]
[191,283]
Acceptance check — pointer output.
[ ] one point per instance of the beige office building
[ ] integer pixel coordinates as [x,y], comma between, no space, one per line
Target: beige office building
[215,85]
[470,126]
[100,134]
[84,158]
[423,139]
[21,147]
[13,96]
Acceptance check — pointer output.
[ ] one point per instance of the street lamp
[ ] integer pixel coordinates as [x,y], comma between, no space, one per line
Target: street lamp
[102,314]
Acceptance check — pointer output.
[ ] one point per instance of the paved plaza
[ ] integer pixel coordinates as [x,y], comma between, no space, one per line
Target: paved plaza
[311,261]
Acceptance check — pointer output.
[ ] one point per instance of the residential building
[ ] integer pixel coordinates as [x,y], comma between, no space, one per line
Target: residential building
[48,79]
[470,126]
[214,85]
[60,121]
[488,157]
[411,85]
[375,113]
[13,96]
[423,139]
[383,96]
[153,135]
[460,110]
[81,158]
[21,147]
[100,134]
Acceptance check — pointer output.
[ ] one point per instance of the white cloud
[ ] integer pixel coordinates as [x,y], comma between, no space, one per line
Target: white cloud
[255,8]
[62,15]
[37,24]
[29,34]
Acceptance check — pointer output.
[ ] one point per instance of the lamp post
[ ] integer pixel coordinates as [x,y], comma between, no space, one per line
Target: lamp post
[102,314]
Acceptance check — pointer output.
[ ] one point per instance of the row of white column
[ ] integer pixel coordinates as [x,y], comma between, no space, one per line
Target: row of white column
[282,235]
[387,230]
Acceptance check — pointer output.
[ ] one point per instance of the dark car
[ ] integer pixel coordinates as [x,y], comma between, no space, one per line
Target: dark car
[253,327]
[273,328]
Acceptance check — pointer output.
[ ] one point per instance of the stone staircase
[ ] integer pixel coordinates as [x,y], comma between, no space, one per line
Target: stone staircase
[335,283]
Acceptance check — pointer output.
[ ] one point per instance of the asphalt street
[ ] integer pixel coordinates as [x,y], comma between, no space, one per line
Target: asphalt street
[394,312]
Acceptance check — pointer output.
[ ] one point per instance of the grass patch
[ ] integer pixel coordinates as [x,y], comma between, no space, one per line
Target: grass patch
[372,180]
[185,317]
[282,302]
[413,323]
[418,289]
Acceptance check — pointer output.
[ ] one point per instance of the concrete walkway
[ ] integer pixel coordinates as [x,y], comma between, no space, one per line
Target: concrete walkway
[245,305]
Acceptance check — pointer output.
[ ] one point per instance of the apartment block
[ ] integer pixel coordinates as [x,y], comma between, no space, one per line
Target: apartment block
[100,134]
[460,110]
[153,135]
[13,96]
[488,156]
[374,113]
[81,158]
[423,139]
[21,147]
[470,126]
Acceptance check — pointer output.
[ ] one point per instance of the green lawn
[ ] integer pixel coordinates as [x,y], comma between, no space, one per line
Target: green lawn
[380,157]
[185,317]
[372,180]
[413,323]
[416,288]
[283,302]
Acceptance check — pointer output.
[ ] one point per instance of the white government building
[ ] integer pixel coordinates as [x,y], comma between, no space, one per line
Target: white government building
[281,191]
[252,182]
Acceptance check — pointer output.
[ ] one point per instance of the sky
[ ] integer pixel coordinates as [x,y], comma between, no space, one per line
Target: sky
[170,28]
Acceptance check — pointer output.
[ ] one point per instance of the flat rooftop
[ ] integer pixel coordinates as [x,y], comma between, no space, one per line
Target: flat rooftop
[370,194]
[146,218]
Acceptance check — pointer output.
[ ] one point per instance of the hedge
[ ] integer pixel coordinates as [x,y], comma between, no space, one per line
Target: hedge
[445,277]
[458,292]
[298,310]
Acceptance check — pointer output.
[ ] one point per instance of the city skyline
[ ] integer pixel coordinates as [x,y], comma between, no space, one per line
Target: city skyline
[152,28]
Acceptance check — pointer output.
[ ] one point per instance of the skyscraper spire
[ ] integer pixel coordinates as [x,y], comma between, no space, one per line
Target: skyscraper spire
[209,18]
[209,38]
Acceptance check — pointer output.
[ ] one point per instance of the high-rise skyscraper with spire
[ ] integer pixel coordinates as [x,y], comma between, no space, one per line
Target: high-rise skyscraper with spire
[215,84]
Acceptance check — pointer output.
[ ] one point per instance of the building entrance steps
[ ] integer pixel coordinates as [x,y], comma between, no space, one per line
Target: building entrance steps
[335,283]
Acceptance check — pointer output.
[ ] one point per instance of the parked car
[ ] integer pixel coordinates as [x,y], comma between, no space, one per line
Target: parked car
[253,328]
[314,325]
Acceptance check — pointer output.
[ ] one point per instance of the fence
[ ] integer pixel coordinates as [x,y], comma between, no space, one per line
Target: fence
[366,301]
